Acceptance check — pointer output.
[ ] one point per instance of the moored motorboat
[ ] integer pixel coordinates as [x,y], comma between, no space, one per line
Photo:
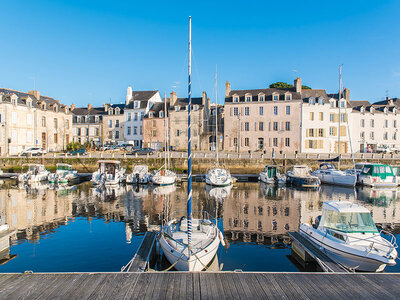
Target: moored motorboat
[140,175]
[327,173]
[63,174]
[348,235]
[272,175]
[34,173]
[377,175]
[163,177]
[109,172]
[300,176]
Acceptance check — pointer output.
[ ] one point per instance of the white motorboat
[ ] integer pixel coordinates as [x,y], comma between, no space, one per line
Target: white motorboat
[300,176]
[327,173]
[140,175]
[190,244]
[109,172]
[163,177]
[63,174]
[347,233]
[271,175]
[219,177]
[377,175]
[34,173]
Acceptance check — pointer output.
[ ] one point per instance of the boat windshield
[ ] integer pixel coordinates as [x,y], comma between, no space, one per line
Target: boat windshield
[64,168]
[378,170]
[349,221]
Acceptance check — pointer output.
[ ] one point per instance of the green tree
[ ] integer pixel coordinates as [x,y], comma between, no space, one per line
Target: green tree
[285,85]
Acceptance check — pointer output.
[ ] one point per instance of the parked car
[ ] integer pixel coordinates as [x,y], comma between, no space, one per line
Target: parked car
[33,151]
[79,151]
[143,151]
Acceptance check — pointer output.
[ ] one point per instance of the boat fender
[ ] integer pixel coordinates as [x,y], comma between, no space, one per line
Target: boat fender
[221,238]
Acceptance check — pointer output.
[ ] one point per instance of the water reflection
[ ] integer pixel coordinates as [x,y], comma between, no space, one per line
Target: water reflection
[255,219]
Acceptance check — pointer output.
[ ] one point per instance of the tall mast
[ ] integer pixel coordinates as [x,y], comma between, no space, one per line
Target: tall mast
[339,96]
[189,198]
[216,115]
[166,154]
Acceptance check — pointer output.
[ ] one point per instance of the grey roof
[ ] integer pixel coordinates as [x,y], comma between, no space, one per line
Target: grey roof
[395,101]
[22,97]
[142,96]
[156,108]
[268,94]
[79,111]
[182,102]
[359,103]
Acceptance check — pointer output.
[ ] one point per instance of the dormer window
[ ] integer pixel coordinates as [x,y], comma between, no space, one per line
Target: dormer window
[136,104]
[55,108]
[342,103]
[372,110]
[261,97]
[14,100]
[236,99]
[110,111]
[395,111]
[333,103]
[288,96]
[385,110]
[117,110]
[248,97]
[312,100]
[177,108]
[161,114]
[195,107]
[150,114]
[275,96]
[362,110]
[321,101]
[29,103]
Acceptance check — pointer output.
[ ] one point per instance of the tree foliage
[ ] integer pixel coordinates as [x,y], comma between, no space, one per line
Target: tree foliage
[285,85]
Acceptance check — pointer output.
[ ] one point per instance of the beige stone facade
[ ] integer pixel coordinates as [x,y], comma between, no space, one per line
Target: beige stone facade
[31,120]
[262,120]
[88,124]
[113,123]
[154,127]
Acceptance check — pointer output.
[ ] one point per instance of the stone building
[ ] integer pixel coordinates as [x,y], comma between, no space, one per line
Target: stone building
[262,119]
[31,120]
[137,105]
[178,120]
[88,124]
[154,126]
[113,123]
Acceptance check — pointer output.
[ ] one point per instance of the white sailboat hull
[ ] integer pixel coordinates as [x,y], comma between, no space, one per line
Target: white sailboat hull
[218,177]
[164,177]
[337,178]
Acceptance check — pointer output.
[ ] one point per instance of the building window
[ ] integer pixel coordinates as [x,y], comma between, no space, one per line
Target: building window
[321,132]
[141,116]
[248,99]
[275,126]
[79,131]
[276,97]
[246,126]
[116,123]
[67,124]
[395,136]
[261,110]
[288,109]
[362,134]
[128,130]
[136,104]
[332,104]
[135,117]
[372,136]
[395,123]
[287,126]
[55,123]
[141,130]
[342,104]
[154,133]
[385,136]
[275,142]
[235,111]
[97,131]
[55,138]
[372,123]
[117,134]
[288,97]
[236,99]
[235,142]
[109,123]
[287,142]
[177,132]
[129,117]
[386,124]
[261,126]
[87,131]
[247,111]
[362,123]
[260,144]
[246,142]
[275,110]
[342,118]
[311,116]
[332,131]
[135,130]
[261,98]
[321,116]
[332,117]
[43,121]
[161,114]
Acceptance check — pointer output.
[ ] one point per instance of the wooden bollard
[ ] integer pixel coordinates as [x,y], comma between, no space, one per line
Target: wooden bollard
[227,155]
[136,154]
[102,154]
[113,155]
[77,155]
[124,155]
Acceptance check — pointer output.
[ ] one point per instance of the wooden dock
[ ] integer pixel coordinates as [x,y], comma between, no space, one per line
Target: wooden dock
[140,262]
[218,285]
[307,251]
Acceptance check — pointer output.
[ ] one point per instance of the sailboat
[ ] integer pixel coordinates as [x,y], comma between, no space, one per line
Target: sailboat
[217,176]
[164,176]
[190,244]
[327,173]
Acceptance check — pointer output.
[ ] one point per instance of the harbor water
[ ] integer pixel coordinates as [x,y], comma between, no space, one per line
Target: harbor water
[85,229]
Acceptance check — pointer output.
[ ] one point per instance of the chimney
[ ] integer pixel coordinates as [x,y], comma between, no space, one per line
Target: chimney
[346,94]
[106,107]
[128,95]
[89,106]
[72,107]
[297,85]
[35,93]
[227,88]
[172,99]
[204,98]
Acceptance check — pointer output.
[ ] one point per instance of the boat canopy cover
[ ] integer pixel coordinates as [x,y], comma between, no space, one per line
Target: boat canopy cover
[300,170]
[327,166]
[140,168]
[64,167]
[344,206]
[377,170]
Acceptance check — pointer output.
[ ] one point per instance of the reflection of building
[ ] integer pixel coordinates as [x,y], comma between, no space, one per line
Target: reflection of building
[253,214]
[30,214]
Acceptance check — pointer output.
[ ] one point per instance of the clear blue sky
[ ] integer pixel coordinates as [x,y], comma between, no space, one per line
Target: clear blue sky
[89,51]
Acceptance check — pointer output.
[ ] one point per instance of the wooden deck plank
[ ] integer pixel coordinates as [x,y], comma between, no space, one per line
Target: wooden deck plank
[172,292]
[230,285]
[254,286]
[309,288]
[196,286]
[142,254]
[102,286]
[206,292]
[291,284]
[189,286]
[279,292]
[322,284]
[11,285]
[126,282]
[46,283]
[389,283]
[242,289]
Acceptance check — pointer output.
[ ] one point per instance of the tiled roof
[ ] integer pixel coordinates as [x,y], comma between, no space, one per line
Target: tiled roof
[156,108]
[35,102]
[142,96]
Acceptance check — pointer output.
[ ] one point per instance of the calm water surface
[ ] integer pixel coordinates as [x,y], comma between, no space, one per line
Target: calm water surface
[83,229]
